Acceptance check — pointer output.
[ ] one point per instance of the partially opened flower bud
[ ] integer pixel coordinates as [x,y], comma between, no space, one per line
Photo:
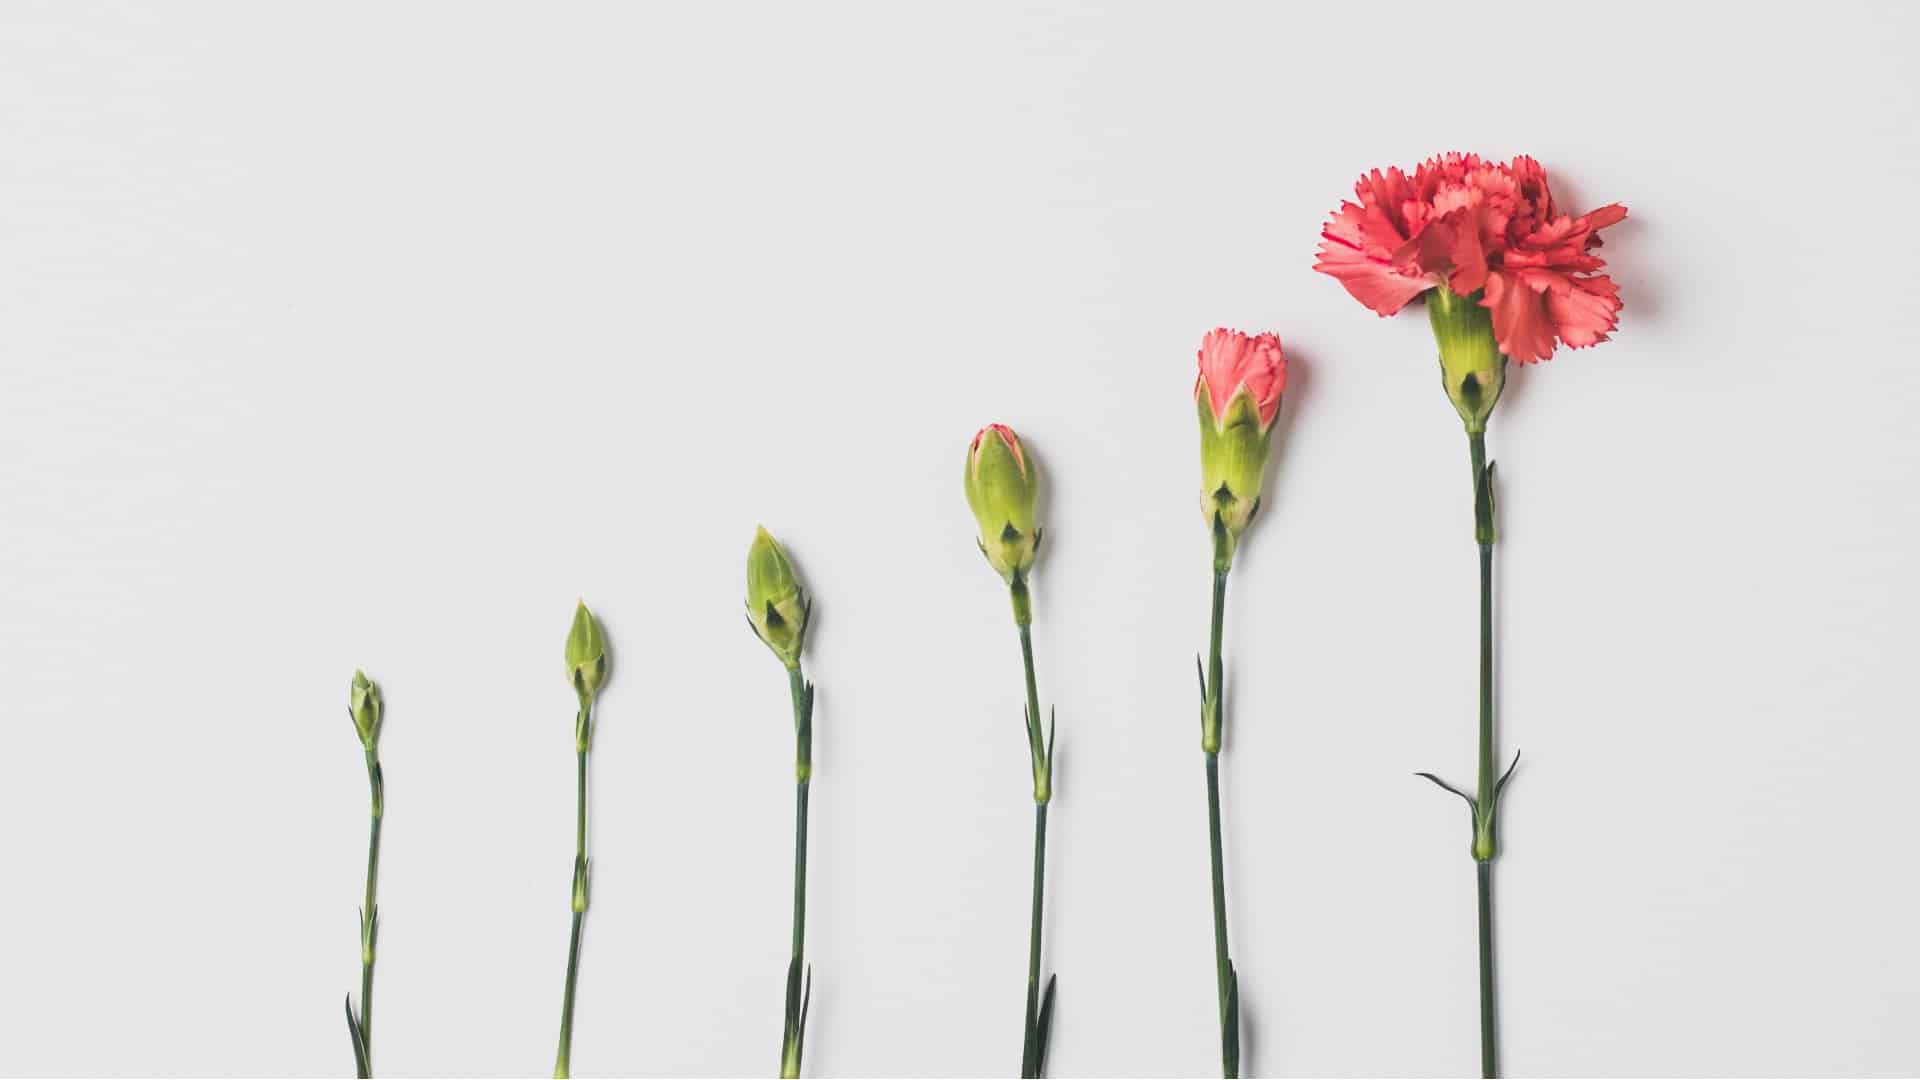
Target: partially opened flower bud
[776,605]
[1002,489]
[1471,366]
[1238,395]
[586,653]
[366,708]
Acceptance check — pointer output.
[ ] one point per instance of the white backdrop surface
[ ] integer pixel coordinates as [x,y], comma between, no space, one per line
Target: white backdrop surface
[355,334]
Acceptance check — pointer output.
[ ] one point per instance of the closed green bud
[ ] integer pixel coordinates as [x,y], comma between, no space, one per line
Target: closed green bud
[1472,369]
[1238,397]
[366,709]
[776,605]
[586,653]
[1002,489]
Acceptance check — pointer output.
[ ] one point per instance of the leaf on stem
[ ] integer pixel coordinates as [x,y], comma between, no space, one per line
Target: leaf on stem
[793,994]
[1042,1027]
[1230,1025]
[1501,784]
[359,1042]
[1449,787]
[806,1005]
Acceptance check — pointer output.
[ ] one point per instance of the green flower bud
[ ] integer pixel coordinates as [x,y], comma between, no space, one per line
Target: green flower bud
[586,653]
[776,605]
[1002,488]
[366,709]
[1472,369]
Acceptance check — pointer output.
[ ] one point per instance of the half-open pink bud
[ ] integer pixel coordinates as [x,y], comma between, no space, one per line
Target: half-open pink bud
[1238,397]
[1230,361]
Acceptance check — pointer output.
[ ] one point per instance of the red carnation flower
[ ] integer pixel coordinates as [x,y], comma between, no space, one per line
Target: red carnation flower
[1477,226]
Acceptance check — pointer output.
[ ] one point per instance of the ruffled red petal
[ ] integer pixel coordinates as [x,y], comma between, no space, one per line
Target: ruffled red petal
[1477,225]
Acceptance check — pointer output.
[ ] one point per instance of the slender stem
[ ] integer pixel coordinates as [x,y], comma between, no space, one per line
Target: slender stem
[800,869]
[1489,1034]
[369,913]
[1215,666]
[561,1065]
[583,732]
[1223,965]
[1036,1052]
[797,684]
[1212,723]
[1033,1043]
[1483,532]
[1036,742]
[1033,690]
[793,1035]
[1487,801]
[580,805]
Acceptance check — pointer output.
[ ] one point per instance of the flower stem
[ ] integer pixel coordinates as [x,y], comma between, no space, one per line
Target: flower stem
[583,727]
[1227,981]
[561,1065]
[1489,1033]
[1034,1048]
[793,1034]
[1039,1011]
[369,913]
[1487,789]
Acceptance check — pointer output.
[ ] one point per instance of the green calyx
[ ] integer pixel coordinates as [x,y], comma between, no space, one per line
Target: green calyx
[367,710]
[586,654]
[1003,489]
[1472,368]
[776,605]
[1233,462]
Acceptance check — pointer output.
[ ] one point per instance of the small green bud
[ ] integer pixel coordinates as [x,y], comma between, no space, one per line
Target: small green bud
[1003,489]
[366,709]
[586,653]
[1472,369]
[776,605]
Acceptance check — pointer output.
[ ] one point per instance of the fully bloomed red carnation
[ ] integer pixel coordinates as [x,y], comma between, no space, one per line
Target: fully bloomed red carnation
[1471,225]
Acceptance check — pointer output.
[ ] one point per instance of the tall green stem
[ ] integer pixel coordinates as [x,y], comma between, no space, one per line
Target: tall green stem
[1486,805]
[1212,717]
[1489,1032]
[1039,1010]
[793,1035]
[583,727]
[1034,1049]
[369,912]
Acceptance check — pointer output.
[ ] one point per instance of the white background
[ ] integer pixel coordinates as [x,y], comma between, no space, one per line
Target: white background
[357,334]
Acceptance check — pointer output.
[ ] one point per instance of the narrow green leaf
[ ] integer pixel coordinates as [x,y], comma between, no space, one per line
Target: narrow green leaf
[359,1043]
[1230,1029]
[1501,785]
[1448,787]
[1043,1029]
